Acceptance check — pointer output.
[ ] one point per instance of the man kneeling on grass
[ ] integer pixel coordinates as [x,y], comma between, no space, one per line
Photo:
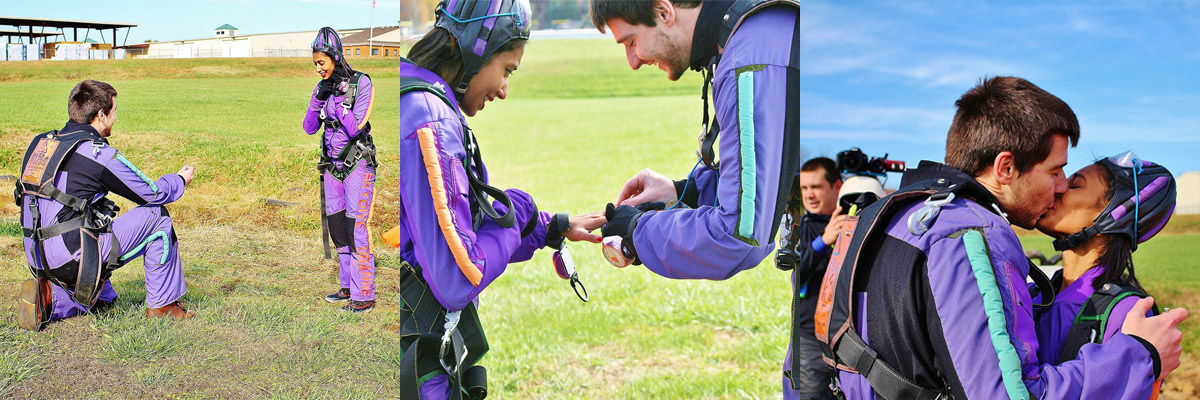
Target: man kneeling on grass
[72,240]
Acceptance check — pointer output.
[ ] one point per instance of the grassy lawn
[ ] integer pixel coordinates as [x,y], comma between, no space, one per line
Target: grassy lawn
[577,123]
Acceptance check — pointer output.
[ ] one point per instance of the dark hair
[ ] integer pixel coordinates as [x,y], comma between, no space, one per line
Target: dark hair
[639,12]
[1011,114]
[438,50]
[1117,255]
[825,163]
[88,98]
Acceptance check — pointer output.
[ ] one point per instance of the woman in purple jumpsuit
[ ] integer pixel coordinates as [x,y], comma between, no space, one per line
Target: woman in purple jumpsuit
[1109,208]
[341,104]
[454,240]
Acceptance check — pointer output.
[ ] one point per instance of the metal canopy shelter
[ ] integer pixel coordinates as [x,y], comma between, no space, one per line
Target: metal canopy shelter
[11,33]
[25,28]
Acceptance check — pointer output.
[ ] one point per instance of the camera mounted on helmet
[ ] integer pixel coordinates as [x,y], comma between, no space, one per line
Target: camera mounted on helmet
[1142,202]
[481,27]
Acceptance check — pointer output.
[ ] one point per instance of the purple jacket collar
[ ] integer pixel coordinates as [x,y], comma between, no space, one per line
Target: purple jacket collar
[930,170]
[708,29]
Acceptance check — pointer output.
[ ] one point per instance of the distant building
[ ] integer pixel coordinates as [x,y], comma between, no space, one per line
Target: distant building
[1188,190]
[361,42]
[226,30]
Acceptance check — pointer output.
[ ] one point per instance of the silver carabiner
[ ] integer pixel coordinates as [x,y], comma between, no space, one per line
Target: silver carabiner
[918,222]
[447,340]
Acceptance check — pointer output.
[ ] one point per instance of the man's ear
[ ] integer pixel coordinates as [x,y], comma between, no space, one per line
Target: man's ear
[664,12]
[1004,168]
[837,186]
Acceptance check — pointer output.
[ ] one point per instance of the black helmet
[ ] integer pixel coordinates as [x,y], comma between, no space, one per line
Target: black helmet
[480,27]
[1142,202]
[329,42]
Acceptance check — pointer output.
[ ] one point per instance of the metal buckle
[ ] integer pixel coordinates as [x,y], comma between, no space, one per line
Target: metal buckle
[918,222]
[447,339]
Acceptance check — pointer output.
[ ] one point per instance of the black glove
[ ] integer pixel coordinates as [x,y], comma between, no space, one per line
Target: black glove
[651,206]
[559,223]
[325,89]
[621,222]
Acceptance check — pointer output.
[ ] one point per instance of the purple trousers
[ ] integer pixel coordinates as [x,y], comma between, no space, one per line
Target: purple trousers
[348,205]
[146,232]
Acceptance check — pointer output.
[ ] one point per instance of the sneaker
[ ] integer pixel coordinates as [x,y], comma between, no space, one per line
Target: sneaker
[174,310]
[33,308]
[339,296]
[356,306]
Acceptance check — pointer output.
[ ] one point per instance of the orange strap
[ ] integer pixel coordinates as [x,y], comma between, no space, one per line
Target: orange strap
[437,189]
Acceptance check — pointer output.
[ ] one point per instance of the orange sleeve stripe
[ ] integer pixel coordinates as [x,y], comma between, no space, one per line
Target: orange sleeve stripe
[370,106]
[437,188]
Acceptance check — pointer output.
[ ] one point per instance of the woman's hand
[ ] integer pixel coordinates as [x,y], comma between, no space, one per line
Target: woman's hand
[583,225]
[324,89]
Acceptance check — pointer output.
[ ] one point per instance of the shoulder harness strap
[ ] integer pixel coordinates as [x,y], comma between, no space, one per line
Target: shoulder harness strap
[479,190]
[1092,320]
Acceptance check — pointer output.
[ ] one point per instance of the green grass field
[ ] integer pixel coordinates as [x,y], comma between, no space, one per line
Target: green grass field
[576,124]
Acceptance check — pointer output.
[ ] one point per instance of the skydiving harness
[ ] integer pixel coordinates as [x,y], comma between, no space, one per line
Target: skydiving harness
[437,342]
[359,147]
[1091,321]
[835,323]
[43,160]
[731,21]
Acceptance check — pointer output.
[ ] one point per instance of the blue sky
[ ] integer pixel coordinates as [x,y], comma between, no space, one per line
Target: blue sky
[884,76]
[192,19]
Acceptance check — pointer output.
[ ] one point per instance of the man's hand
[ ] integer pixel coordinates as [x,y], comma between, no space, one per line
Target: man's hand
[186,172]
[834,227]
[583,225]
[647,186]
[1160,330]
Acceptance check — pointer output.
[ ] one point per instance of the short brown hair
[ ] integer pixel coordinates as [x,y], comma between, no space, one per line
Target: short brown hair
[88,98]
[824,163]
[1011,114]
[639,12]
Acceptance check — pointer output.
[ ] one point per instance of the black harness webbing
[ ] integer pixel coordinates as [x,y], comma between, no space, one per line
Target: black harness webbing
[360,147]
[1092,320]
[480,191]
[428,349]
[48,151]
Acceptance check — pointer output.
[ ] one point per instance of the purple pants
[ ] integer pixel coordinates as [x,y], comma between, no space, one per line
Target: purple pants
[146,232]
[348,205]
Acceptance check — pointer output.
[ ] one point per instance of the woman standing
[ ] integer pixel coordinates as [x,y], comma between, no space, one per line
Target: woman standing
[341,104]
[1108,209]
[453,237]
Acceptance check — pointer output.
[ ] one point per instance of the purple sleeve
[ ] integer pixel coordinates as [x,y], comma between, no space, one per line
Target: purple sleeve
[362,107]
[704,181]
[995,356]
[489,247]
[718,241]
[536,240]
[1117,317]
[312,116]
[120,176]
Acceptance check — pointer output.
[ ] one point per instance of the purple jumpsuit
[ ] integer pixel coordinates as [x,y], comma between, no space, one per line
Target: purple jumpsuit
[94,171]
[458,260]
[348,202]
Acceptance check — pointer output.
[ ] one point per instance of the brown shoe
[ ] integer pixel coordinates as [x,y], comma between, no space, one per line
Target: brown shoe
[174,310]
[33,308]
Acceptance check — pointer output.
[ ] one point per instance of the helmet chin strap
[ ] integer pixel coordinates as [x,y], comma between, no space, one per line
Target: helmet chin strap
[1075,239]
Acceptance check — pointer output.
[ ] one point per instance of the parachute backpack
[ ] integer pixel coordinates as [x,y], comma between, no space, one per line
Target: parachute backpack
[39,168]
[836,328]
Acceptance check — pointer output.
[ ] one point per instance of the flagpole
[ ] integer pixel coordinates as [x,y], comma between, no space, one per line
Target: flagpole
[371,38]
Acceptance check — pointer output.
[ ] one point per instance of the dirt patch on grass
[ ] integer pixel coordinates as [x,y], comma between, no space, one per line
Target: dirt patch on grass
[218,70]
